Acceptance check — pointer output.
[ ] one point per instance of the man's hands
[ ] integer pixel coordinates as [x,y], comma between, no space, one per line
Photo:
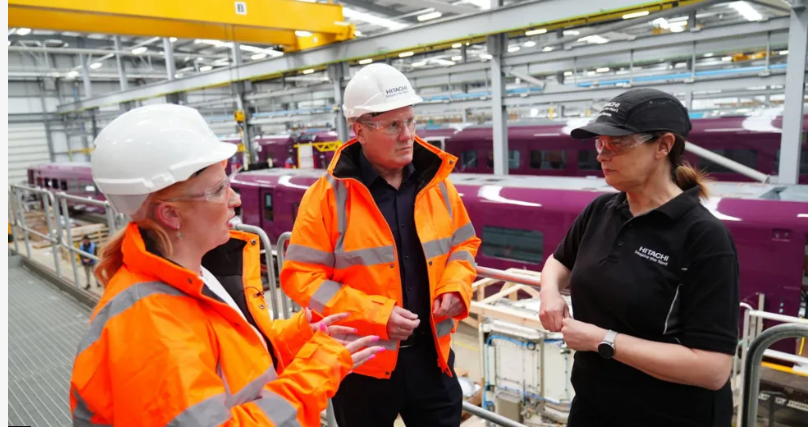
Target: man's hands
[448,305]
[401,324]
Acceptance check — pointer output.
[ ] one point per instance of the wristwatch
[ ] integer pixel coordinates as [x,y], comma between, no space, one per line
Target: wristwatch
[606,347]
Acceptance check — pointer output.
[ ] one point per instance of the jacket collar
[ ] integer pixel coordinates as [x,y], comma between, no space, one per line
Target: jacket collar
[432,165]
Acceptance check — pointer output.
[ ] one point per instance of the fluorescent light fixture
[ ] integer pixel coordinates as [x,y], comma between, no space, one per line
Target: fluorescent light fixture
[567,73]
[602,69]
[405,54]
[365,61]
[177,75]
[457,58]
[205,68]
[309,71]
[677,28]
[457,45]
[485,56]
[23,31]
[259,56]
[571,32]
[441,61]
[534,112]
[746,10]
[783,52]
[419,64]
[370,19]
[302,33]
[430,15]
[535,32]
[661,23]
[96,65]
[591,73]
[595,39]
[513,48]
[200,59]
[73,74]
[547,49]
[139,50]
[726,58]
[636,14]
[529,44]
[708,55]
[172,39]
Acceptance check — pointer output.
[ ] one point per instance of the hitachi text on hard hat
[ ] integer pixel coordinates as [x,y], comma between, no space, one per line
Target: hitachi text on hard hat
[377,88]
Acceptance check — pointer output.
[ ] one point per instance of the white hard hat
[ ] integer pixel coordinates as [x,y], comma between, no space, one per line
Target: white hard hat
[377,88]
[150,148]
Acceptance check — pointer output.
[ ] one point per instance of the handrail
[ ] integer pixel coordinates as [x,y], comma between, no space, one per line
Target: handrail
[48,201]
[282,239]
[751,376]
[490,416]
[270,267]
[495,274]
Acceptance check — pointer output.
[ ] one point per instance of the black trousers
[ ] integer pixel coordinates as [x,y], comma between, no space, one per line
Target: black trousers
[417,389]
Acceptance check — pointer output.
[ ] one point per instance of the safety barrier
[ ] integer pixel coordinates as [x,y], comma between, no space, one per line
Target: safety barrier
[273,290]
[751,369]
[51,219]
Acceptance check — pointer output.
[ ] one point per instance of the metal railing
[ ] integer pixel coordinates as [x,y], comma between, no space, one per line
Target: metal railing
[51,220]
[286,302]
[751,375]
[67,243]
[273,290]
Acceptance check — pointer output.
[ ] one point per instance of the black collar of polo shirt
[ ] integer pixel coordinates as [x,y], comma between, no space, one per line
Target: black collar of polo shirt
[673,209]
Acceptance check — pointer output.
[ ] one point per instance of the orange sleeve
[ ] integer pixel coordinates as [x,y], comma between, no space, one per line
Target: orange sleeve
[308,269]
[288,336]
[155,364]
[460,269]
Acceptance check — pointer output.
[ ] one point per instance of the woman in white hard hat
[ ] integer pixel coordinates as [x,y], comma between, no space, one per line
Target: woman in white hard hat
[182,335]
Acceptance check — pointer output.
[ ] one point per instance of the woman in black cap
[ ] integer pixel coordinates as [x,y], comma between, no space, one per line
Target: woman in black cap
[653,277]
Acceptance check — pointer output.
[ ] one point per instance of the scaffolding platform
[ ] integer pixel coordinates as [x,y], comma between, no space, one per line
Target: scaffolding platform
[44,329]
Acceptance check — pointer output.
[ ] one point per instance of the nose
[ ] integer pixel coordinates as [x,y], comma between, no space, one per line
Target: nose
[605,155]
[233,199]
[406,134]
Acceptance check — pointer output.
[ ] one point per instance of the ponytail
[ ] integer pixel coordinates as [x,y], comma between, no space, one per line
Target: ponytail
[684,175]
[111,255]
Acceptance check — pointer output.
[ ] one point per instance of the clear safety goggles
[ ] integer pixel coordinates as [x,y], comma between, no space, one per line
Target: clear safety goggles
[393,127]
[219,193]
[620,144]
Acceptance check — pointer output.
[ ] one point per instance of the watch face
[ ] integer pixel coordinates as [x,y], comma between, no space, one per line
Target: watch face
[605,350]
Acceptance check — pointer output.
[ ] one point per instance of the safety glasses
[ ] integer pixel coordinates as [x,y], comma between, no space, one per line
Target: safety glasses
[217,194]
[393,127]
[620,144]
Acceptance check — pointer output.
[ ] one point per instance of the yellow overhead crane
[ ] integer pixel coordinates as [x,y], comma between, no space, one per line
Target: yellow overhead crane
[271,22]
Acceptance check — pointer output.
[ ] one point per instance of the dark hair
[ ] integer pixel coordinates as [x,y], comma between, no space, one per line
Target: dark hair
[85,237]
[683,174]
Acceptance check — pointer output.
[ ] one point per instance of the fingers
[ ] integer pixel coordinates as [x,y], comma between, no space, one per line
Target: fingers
[403,312]
[361,342]
[363,356]
[567,312]
[308,315]
[436,305]
[341,330]
[332,318]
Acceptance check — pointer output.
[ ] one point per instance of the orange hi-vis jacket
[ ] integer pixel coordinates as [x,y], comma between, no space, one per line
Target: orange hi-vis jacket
[342,255]
[164,349]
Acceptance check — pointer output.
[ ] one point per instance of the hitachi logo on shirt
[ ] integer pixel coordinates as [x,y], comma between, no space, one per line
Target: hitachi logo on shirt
[395,91]
[652,255]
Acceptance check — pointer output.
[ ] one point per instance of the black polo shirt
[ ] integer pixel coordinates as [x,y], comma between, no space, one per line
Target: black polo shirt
[398,208]
[670,275]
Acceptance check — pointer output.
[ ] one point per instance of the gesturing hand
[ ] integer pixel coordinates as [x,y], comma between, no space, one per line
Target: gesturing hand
[325,325]
[449,305]
[401,324]
[553,311]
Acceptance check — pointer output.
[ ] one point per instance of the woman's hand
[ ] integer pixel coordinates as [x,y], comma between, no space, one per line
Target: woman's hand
[581,336]
[553,310]
[359,348]
[337,332]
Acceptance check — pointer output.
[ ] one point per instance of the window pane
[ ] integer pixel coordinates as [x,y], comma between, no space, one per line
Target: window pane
[468,159]
[548,159]
[803,161]
[269,212]
[513,159]
[745,157]
[588,160]
[510,243]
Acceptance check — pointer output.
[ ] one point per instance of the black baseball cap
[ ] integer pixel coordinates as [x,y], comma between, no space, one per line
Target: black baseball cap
[637,111]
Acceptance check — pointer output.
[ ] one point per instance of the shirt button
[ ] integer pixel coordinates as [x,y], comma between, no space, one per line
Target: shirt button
[620,243]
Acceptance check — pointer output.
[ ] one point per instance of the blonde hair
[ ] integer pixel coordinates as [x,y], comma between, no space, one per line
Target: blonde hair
[684,175]
[111,254]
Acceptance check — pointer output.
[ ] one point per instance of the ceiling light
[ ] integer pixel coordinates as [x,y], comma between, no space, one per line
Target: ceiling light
[534,112]
[302,33]
[365,61]
[357,32]
[529,44]
[636,14]
[457,58]
[172,39]
[677,28]
[309,71]
[726,58]
[746,10]
[513,48]
[567,73]
[96,65]
[547,49]
[485,56]
[259,56]
[419,64]
[661,23]
[23,31]
[405,54]
[139,50]
[783,52]
[571,32]
[457,45]
[371,19]
[595,39]
[535,32]
[200,59]
[708,55]
[205,68]
[430,15]
[602,70]
[73,74]
[177,75]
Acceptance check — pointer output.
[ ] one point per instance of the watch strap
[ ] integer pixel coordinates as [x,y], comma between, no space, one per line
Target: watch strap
[609,338]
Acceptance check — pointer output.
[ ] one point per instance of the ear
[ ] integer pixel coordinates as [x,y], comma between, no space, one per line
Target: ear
[359,132]
[166,215]
[665,145]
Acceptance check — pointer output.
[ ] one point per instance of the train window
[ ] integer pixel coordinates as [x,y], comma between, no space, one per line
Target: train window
[803,162]
[588,160]
[548,159]
[743,156]
[514,244]
[54,183]
[468,159]
[269,211]
[64,185]
[513,159]
[39,182]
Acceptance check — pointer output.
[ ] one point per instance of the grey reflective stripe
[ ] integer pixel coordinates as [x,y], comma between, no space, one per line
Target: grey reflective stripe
[366,257]
[387,344]
[82,414]
[463,255]
[341,195]
[462,234]
[309,255]
[445,192]
[277,409]
[252,390]
[209,412]
[323,294]
[120,303]
[437,247]
[444,327]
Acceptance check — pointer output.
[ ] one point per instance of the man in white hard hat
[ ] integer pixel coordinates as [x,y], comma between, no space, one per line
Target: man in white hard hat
[385,237]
